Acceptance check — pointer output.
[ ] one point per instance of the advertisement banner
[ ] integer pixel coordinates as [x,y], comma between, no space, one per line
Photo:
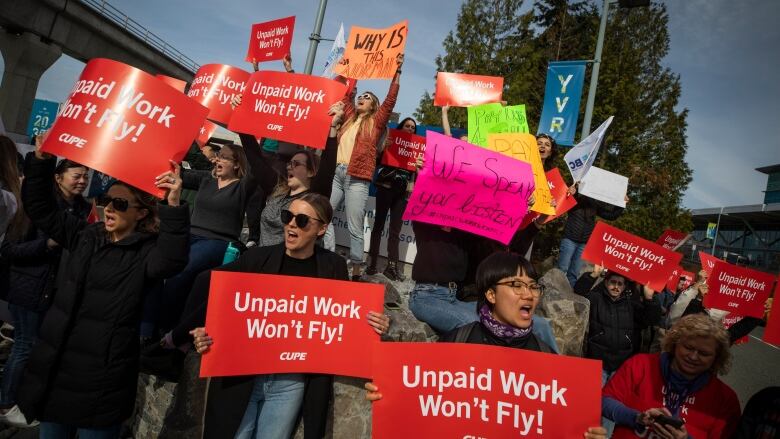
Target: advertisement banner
[270,40]
[126,123]
[605,186]
[738,290]
[495,118]
[470,188]
[263,323]
[214,86]
[523,147]
[371,53]
[402,149]
[672,239]
[464,90]
[562,94]
[635,258]
[460,390]
[580,158]
[41,117]
[205,133]
[560,193]
[289,107]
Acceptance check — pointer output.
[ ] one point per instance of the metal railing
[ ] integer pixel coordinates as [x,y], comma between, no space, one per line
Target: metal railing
[134,28]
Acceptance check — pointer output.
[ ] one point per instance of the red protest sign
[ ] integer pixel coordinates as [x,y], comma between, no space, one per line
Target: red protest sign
[637,259]
[263,323]
[288,107]
[674,279]
[214,86]
[559,191]
[270,40]
[402,149]
[707,262]
[457,390]
[125,123]
[730,321]
[205,133]
[772,330]
[463,90]
[178,84]
[738,290]
[671,239]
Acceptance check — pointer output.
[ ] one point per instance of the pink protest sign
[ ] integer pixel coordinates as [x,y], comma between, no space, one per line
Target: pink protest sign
[470,188]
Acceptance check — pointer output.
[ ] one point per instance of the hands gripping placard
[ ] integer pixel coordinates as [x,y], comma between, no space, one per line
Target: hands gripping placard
[739,290]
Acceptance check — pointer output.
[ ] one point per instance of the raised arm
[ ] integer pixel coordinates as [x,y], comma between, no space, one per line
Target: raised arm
[192,178]
[445,120]
[322,183]
[265,176]
[171,251]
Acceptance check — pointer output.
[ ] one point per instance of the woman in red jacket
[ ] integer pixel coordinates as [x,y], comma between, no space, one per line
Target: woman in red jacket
[364,123]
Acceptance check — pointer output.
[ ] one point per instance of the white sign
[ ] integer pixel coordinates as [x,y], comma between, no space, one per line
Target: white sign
[336,52]
[407,249]
[604,186]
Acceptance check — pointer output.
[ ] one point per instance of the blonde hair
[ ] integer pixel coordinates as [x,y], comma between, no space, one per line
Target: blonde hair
[366,119]
[701,325]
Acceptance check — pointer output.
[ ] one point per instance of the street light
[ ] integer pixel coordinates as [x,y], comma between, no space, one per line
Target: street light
[314,38]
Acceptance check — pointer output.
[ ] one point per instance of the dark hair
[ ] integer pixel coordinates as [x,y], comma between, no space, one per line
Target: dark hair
[312,165]
[498,266]
[548,164]
[320,204]
[403,121]
[66,164]
[150,222]
[9,180]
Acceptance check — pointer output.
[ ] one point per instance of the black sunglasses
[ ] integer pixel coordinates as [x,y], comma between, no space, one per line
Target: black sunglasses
[119,204]
[301,219]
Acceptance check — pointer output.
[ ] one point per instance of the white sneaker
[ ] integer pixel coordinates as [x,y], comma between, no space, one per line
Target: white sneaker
[15,418]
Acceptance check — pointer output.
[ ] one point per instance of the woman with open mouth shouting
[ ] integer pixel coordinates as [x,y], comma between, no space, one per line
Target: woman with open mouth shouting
[81,374]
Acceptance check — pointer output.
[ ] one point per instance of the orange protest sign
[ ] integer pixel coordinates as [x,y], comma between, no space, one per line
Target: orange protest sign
[522,146]
[371,53]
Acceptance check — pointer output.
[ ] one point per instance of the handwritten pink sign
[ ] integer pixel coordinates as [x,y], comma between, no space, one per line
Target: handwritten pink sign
[470,188]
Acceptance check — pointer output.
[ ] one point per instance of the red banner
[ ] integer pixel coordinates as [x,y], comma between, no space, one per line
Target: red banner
[707,262]
[738,290]
[635,258]
[730,321]
[264,323]
[559,191]
[463,90]
[178,84]
[214,86]
[674,279]
[270,40]
[671,239]
[458,390]
[402,149]
[206,131]
[125,123]
[772,330]
[288,107]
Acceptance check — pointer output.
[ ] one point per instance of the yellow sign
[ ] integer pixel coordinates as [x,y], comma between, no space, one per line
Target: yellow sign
[523,147]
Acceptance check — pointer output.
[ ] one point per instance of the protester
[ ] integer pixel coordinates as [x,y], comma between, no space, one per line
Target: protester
[681,382]
[391,191]
[267,406]
[10,188]
[510,293]
[32,273]
[445,123]
[81,375]
[761,417]
[364,123]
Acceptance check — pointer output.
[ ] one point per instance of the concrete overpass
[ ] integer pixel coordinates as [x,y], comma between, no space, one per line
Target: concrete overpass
[35,33]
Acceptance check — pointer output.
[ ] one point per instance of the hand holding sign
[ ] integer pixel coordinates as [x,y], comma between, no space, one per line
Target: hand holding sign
[739,290]
[373,53]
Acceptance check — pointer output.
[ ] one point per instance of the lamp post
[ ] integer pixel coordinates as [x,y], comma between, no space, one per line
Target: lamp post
[314,38]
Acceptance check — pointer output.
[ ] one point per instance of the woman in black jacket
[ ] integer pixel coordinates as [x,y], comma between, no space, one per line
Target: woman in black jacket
[83,369]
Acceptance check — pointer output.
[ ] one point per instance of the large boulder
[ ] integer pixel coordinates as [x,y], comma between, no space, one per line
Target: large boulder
[568,312]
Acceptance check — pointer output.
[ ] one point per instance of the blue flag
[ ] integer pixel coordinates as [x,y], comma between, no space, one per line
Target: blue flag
[562,95]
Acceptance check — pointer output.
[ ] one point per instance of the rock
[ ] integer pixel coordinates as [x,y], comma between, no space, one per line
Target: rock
[568,312]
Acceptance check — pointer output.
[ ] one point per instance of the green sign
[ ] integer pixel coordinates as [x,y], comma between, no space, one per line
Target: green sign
[495,118]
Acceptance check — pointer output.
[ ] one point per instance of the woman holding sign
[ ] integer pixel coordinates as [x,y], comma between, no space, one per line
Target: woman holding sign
[81,375]
[364,123]
[676,394]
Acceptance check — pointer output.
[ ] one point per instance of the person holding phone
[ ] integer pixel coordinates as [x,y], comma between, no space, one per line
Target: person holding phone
[676,394]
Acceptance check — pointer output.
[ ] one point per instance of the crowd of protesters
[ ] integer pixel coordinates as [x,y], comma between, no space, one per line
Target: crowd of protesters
[79,287]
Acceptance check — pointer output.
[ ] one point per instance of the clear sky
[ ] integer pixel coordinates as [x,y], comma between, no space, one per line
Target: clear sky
[726,52]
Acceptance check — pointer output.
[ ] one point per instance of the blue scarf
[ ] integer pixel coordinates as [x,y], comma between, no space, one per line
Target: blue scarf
[679,388]
[501,330]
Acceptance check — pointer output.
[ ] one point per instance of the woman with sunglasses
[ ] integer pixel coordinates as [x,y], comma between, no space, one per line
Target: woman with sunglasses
[82,372]
[267,406]
[510,293]
[364,124]
[391,189]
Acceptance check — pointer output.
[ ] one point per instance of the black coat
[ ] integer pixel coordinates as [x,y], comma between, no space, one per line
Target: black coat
[581,219]
[83,368]
[614,325]
[228,397]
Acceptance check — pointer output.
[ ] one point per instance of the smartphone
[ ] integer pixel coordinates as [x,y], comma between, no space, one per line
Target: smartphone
[668,420]
[392,306]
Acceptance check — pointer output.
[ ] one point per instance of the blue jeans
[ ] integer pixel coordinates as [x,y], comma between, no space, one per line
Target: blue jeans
[204,254]
[26,325]
[440,308]
[353,193]
[273,407]
[569,260]
[606,423]
[53,430]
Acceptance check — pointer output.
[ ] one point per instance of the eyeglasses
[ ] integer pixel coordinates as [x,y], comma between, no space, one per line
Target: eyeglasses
[364,96]
[220,156]
[617,283]
[518,285]
[301,219]
[294,164]
[119,204]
